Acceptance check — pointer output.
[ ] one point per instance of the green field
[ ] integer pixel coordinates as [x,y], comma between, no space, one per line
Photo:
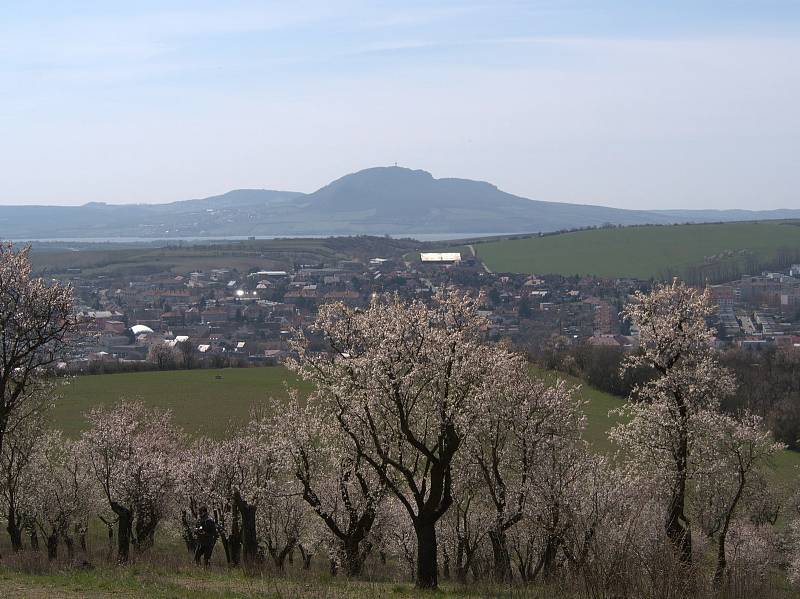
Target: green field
[204,404]
[57,259]
[641,252]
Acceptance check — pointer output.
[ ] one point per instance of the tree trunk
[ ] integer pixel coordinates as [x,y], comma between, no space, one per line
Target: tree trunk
[721,560]
[427,567]
[502,559]
[549,556]
[34,540]
[445,563]
[145,532]
[14,529]
[110,527]
[461,562]
[306,555]
[81,531]
[477,574]
[69,543]
[124,525]
[249,535]
[353,557]
[52,546]
[279,557]
[677,533]
[235,540]
[223,538]
[189,538]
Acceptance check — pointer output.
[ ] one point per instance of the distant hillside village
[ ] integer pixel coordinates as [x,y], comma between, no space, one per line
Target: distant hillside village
[222,317]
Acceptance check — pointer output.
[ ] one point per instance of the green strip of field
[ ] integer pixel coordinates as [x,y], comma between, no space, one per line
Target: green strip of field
[203,402]
[208,402]
[640,252]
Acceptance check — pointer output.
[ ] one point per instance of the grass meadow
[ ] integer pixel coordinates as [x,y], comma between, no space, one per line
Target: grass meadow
[203,402]
[209,402]
[640,252]
[172,576]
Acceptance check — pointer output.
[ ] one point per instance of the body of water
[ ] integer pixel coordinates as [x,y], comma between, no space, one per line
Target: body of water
[168,240]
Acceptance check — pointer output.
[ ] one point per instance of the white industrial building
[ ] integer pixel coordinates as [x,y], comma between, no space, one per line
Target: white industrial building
[441,257]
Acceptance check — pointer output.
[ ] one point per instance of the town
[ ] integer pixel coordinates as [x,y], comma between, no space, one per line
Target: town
[227,317]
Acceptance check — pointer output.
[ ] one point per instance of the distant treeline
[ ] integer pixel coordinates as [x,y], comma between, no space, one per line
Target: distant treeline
[118,366]
[733,268]
[767,381]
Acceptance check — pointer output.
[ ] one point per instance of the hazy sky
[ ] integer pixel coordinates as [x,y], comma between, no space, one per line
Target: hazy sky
[654,104]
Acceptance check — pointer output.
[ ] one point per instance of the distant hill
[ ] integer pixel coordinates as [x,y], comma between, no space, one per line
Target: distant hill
[698,252]
[376,201]
[401,200]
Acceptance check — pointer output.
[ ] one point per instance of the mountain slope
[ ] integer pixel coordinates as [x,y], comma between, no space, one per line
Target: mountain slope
[377,201]
[413,200]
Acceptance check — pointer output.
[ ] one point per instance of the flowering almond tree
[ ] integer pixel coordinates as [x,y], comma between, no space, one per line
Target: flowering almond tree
[61,497]
[234,478]
[335,481]
[35,319]
[281,524]
[17,477]
[529,422]
[132,452]
[661,433]
[557,484]
[209,472]
[407,384]
[256,468]
[735,451]
[197,487]
[464,527]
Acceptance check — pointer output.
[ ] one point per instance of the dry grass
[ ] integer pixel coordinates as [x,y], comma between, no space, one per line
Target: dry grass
[164,573]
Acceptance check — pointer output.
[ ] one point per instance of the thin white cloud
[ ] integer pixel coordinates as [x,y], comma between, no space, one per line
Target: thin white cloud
[138,37]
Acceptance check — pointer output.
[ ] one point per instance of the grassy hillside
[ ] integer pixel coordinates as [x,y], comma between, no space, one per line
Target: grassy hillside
[642,252]
[204,402]
[207,402]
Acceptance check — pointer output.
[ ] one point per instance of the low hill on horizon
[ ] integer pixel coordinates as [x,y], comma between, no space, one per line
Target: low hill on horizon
[375,201]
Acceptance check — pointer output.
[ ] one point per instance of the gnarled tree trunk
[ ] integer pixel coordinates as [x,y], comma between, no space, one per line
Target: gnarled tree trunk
[249,536]
[679,535]
[502,559]
[124,526]
[14,528]
[427,566]
[52,546]
[189,538]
